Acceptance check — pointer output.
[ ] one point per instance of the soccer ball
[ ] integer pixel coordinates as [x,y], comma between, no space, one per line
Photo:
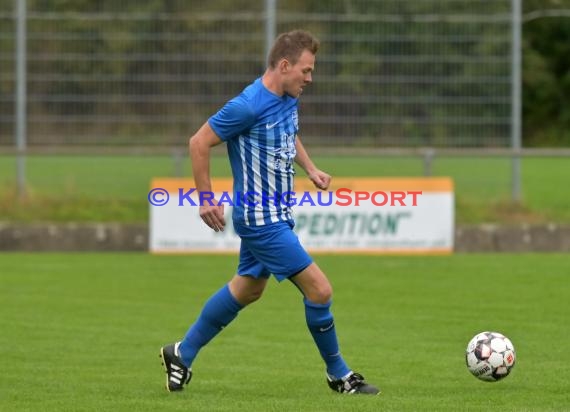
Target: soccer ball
[490,356]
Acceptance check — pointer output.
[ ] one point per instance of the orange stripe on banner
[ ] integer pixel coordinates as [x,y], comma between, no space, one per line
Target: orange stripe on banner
[172,185]
[364,251]
[371,251]
[370,184]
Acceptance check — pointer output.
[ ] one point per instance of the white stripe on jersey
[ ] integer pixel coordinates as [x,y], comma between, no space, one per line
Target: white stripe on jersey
[251,175]
[256,173]
[285,177]
[244,167]
[270,165]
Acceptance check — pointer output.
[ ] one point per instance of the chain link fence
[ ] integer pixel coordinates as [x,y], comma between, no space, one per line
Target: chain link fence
[392,73]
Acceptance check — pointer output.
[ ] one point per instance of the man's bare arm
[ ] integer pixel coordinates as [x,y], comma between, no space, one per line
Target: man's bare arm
[319,178]
[200,146]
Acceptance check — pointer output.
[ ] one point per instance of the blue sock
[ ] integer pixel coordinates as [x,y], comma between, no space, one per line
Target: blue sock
[321,325]
[217,313]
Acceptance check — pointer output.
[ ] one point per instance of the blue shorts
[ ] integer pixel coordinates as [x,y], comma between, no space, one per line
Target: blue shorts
[268,249]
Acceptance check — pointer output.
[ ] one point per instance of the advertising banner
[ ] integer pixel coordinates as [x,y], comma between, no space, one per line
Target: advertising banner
[356,215]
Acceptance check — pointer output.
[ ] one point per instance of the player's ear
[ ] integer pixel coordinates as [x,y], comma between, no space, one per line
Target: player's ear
[284,66]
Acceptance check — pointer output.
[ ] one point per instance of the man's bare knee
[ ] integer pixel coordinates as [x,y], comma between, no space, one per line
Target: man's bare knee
[246,289]
[314,284]
[321,294]
[254,295]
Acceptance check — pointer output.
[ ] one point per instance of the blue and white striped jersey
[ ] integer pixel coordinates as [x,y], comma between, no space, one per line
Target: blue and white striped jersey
[260,129]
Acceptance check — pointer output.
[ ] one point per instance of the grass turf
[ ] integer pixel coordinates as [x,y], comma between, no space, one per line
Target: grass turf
[114,188]
[81,332]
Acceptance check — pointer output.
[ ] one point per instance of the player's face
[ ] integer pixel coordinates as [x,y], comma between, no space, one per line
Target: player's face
[299,74]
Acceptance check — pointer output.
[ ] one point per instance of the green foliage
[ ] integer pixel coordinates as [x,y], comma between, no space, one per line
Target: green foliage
[116,47]
[546,77]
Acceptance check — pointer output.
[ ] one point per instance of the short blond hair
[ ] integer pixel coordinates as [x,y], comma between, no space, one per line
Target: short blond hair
[291,45]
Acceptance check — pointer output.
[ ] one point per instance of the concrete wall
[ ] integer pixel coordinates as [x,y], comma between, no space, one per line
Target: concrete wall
[73,237]
[523,238]
[134,237]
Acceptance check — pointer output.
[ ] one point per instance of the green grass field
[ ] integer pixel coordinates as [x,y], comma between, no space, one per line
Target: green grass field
[114,188]
[81,332]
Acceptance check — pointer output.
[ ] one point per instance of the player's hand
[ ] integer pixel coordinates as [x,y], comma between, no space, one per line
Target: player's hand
[320,179]
[213,216]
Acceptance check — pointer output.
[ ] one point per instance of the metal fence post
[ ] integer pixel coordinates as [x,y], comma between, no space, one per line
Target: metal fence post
[516,98]
[20,97]
[428,161]
[270,26]
[178,160]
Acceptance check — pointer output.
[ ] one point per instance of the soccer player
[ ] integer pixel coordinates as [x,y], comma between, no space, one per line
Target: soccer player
[260,128]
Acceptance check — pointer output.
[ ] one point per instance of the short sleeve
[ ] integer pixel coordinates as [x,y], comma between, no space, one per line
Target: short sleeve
[233,119]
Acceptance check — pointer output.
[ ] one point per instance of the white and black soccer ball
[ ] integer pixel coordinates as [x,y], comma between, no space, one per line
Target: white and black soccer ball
[490,356]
